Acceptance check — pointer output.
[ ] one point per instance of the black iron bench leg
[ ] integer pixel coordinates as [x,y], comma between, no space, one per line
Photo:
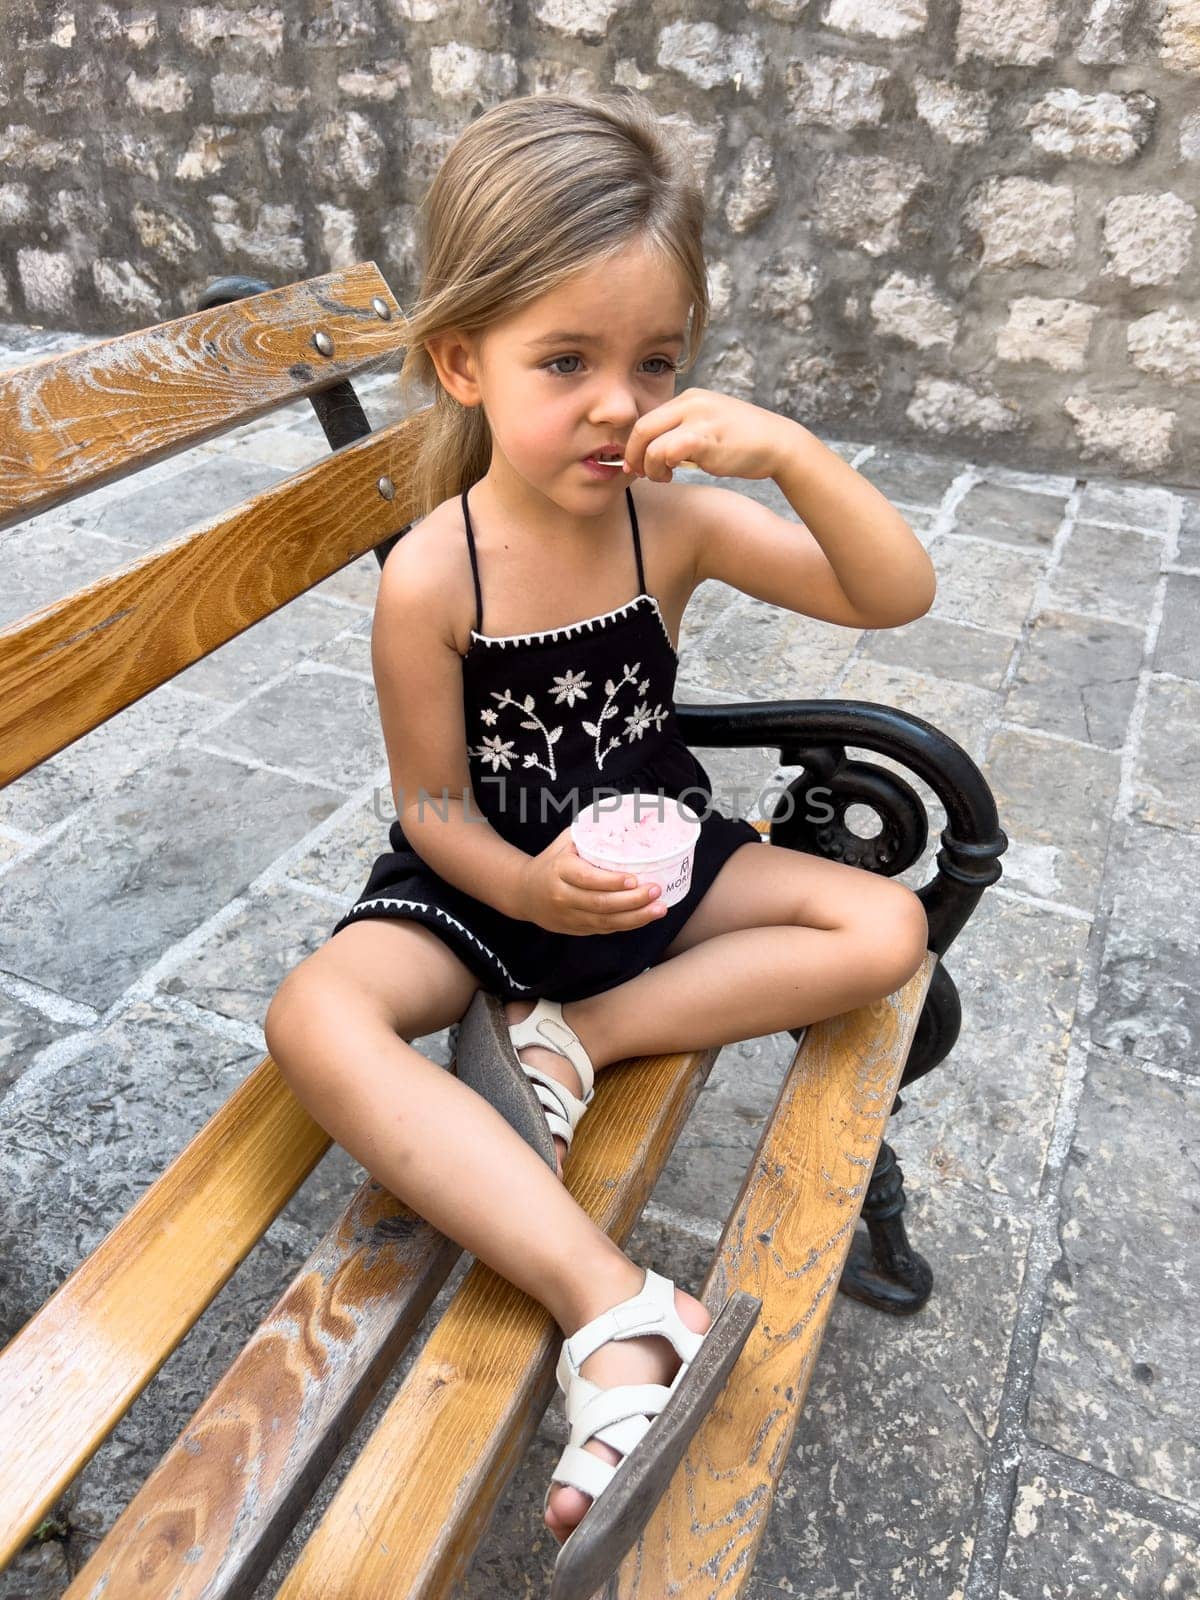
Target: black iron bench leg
[882,1268]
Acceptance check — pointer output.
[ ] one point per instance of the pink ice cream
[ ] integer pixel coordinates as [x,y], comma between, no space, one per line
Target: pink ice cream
[652,836]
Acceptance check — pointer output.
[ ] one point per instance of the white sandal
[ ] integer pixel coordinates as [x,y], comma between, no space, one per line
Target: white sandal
[651,1424]
[528,1099]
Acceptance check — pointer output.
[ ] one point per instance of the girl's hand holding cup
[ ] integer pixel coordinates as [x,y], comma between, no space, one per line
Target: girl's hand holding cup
[563,893]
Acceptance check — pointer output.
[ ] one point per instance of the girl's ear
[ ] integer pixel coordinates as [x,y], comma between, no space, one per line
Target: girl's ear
[455,357]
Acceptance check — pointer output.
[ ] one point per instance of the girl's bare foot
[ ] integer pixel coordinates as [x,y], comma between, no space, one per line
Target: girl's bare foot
[649,1359]
[536,1055]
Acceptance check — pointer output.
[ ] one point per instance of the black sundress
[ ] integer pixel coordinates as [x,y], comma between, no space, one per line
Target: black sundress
[554,720]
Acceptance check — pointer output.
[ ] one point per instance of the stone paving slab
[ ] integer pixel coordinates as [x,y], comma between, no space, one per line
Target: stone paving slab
[1010,516]
[987,585]
[1189,531]
[984,1119]
[1078,1546]
[160,876]
[1059,796]
[88,913]
[1177,648]
[1148,1004]
[1116,1382]
[1166,773]
[1108,572]
[1078,677]
[962,652]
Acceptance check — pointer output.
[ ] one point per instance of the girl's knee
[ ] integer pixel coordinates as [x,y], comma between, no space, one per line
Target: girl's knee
[899,935]
[309,1005]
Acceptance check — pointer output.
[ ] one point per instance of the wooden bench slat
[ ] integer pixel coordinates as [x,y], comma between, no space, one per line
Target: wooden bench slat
[788,1245]
[78,661]
[213,1515]
[78,1364]
[407,1516]
[72,422]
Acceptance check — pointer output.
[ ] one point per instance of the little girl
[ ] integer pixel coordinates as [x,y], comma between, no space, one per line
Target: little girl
[563,280]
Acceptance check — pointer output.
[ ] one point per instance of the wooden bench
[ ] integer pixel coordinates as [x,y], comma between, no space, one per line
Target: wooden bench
[409,1515]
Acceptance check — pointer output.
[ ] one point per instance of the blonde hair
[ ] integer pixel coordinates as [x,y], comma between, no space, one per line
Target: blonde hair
[533,191]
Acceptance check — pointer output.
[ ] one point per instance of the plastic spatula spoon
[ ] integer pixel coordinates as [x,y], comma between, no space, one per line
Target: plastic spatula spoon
[620,461]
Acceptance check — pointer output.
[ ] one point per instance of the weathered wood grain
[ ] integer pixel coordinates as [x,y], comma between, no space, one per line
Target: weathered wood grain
[79,1363]
[72,422]
[409,1513]
[786,1240]
[214,1513]
[78,661]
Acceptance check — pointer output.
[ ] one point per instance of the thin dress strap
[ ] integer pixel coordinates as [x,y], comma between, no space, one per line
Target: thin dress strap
[637,543]
[474,564]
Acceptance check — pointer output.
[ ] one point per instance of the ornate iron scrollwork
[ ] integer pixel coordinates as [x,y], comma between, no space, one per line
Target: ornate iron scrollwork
[820,826]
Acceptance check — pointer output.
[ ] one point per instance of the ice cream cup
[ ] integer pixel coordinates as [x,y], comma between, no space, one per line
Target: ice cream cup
[648,836]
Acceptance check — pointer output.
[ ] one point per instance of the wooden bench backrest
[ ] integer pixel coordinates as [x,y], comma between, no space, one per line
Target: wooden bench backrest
[79,420]
[71,423]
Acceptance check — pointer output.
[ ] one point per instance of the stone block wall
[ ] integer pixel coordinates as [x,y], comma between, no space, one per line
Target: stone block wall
[968,224]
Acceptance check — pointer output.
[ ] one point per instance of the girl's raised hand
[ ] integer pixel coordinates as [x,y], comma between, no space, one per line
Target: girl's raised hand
[563,893]
[727,437]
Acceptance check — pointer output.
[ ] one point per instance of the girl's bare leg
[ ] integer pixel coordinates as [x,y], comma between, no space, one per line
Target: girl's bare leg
[441,1148]
[738,985]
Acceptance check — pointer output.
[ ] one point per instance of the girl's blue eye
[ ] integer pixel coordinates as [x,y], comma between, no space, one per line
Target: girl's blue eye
[667,366]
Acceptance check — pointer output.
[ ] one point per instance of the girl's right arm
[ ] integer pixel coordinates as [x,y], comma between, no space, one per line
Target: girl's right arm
[418,681]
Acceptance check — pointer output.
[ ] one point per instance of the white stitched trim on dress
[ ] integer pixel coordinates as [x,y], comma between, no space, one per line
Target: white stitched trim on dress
[572,627]
[423,905]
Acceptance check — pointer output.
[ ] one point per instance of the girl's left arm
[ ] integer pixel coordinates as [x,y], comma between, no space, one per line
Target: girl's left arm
[879,564]
[854,561]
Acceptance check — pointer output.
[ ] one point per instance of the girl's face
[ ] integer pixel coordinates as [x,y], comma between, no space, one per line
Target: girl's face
[573,371]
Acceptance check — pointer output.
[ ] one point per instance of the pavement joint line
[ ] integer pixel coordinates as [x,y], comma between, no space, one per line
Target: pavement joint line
[990,724]
[1061,907]
[1131,749]
[309,668]
[231,1028]
[1058,485]
[45,1063]
[252,765]
[1006,726]
[229,709]
[277,869]
[999,1490]
[1175,1516]
[1038,550]
[1152,1069]
[960,486]
[314,890]
[47,1002]
[1093,616]
[1181,572]
[145,985]
[18,836]
[1128,527]
[337,600]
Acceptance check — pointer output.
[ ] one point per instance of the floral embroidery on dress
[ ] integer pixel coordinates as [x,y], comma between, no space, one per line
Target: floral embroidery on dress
[568,688]
[635,725]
